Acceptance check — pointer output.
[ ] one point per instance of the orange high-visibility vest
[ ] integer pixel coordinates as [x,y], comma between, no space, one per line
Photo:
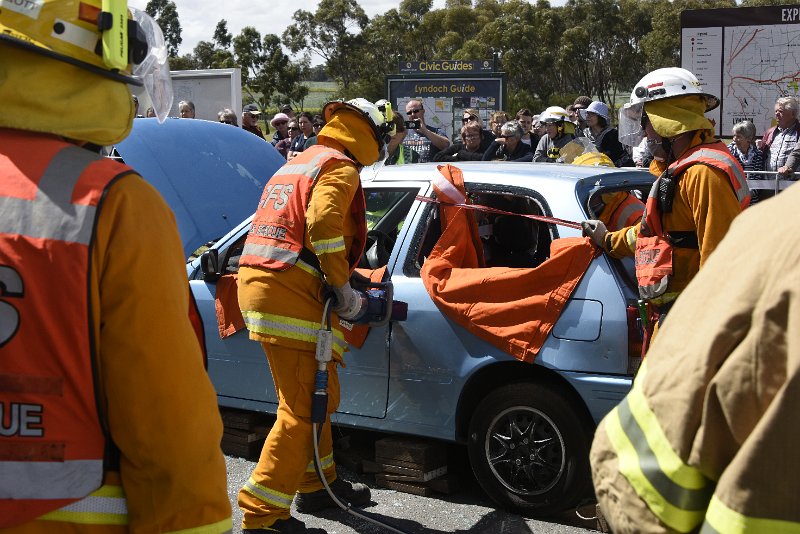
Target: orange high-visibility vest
[626,213]
[52,441]
[653,255]
[277,235]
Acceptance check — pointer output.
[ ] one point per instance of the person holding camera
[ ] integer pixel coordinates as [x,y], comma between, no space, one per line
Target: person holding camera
[423,139]
[509,146]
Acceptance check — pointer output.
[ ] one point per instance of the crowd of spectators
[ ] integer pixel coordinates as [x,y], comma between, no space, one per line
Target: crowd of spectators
[528,136]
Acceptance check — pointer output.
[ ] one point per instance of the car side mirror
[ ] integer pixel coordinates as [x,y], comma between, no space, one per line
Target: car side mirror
[209,265]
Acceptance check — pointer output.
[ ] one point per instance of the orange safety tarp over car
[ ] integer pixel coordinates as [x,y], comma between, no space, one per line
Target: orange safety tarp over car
[514,309]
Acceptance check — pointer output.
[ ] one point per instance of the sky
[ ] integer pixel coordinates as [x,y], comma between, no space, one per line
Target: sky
[199,18]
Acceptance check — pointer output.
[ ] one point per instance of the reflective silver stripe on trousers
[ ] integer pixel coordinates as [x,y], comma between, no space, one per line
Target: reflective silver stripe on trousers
[71,479]
[744,190]
[93,504]
[51,215]
[271,253]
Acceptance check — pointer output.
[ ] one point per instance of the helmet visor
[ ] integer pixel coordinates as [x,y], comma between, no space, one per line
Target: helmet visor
[630,124]
[153,70]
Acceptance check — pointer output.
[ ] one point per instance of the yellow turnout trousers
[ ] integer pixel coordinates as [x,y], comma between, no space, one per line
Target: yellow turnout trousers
[286,464]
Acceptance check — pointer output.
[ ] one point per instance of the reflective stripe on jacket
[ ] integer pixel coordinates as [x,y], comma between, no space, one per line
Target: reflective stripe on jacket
[277,234]
[52,443]
[622,209]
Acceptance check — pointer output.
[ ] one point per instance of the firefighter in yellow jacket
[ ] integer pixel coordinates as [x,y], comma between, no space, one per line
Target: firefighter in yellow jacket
[108,420]
[700,188]
[707,440]
[308,233]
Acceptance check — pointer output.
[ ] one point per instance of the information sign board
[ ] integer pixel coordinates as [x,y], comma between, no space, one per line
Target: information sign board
[446,96]
[747,56]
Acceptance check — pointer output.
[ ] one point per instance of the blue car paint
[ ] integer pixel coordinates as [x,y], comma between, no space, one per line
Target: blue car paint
[411,377]
[210,174]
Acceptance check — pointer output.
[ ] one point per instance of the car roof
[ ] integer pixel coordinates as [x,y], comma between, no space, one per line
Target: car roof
[210,174]
[506,173]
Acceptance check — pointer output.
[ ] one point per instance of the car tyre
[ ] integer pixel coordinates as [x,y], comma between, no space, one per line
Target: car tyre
[529,449]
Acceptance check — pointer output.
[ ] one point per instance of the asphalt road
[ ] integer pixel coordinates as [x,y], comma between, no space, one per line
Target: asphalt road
[467,510]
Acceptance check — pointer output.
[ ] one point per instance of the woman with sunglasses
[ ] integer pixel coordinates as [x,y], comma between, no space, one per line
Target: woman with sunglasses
[293,130]
[470,146]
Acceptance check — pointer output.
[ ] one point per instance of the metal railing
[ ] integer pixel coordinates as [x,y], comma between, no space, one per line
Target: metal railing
[774,183]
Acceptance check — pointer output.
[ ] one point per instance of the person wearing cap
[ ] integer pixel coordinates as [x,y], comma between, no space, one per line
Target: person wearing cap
[700,189]
[109,420]
[250,114]
[288,110]
[281,124]
[308,234]
[602,135]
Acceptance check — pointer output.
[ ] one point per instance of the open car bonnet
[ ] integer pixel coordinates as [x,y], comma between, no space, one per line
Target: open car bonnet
[210,174]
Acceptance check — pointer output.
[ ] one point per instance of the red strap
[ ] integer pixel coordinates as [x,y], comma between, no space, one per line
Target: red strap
[478,207]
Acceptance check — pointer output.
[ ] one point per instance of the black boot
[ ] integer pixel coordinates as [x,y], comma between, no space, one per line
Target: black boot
[356,494]
[285,526]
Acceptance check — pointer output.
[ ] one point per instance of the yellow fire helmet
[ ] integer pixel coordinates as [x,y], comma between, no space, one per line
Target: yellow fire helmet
[593,159]
[102,36]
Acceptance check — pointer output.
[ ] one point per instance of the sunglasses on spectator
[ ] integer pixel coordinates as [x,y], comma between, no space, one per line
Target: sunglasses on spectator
[413,111]
[226,122]
[467,119]
[294,128]
[281,123]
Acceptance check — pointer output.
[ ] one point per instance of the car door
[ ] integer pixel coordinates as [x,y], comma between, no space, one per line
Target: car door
[364,379]
[237,365]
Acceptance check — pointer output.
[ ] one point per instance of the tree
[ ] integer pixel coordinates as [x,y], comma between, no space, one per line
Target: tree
[662,45]
[165,14]
[266,69]
[333,33]
[222,36]
[216,54]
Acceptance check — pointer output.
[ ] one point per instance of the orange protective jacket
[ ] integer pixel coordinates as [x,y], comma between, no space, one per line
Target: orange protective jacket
[125,327]
[513,309]
[276,237]
[707,438]
[704,204]
[285,307]
[621,210]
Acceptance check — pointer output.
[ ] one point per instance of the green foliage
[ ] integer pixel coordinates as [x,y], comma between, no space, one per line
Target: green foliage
[333,33]
[165,14]
[599,48]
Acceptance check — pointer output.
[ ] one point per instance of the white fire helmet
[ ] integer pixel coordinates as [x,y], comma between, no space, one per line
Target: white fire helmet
[660,84]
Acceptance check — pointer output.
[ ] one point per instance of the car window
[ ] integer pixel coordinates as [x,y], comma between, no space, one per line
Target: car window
[508,240]
[386,212]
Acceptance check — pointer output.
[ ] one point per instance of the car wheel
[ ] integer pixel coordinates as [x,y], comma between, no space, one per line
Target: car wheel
[529,449]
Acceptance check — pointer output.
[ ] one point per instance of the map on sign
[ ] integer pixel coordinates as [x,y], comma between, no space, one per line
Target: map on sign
[748,57]
[760,63]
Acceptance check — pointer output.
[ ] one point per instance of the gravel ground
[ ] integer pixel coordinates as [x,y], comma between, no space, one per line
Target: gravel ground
[467,511]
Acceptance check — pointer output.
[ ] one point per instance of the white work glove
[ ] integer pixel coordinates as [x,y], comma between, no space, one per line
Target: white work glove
[349,303]
[596,231]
